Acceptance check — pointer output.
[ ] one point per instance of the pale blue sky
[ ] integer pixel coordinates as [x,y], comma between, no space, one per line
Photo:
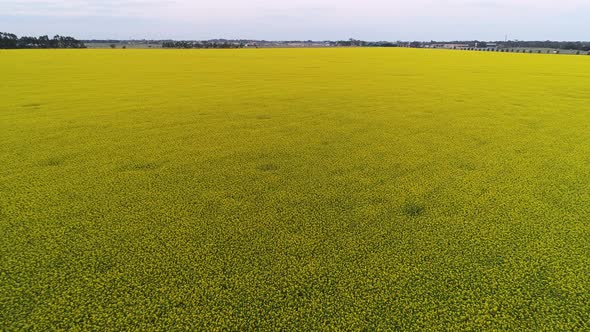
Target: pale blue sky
[300,19]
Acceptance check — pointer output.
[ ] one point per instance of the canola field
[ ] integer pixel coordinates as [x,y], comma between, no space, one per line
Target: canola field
[294,189]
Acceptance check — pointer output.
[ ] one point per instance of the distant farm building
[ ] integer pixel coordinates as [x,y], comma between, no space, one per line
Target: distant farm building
[449,46]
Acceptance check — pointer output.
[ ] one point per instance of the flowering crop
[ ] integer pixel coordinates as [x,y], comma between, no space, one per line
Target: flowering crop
[294,189]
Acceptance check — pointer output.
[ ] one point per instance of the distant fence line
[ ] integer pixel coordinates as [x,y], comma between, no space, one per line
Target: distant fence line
[522,50]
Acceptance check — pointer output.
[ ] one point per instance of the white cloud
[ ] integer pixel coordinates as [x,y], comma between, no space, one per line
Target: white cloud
[310,19]
[83,7]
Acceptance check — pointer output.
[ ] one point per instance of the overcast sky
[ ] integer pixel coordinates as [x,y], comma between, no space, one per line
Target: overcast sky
[300,19]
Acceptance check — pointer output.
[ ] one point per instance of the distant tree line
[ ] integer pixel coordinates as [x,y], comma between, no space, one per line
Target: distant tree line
[12,41]
[105,41]
[223,43]
[577,45]
[362,43]
[201,44]
[558,45]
